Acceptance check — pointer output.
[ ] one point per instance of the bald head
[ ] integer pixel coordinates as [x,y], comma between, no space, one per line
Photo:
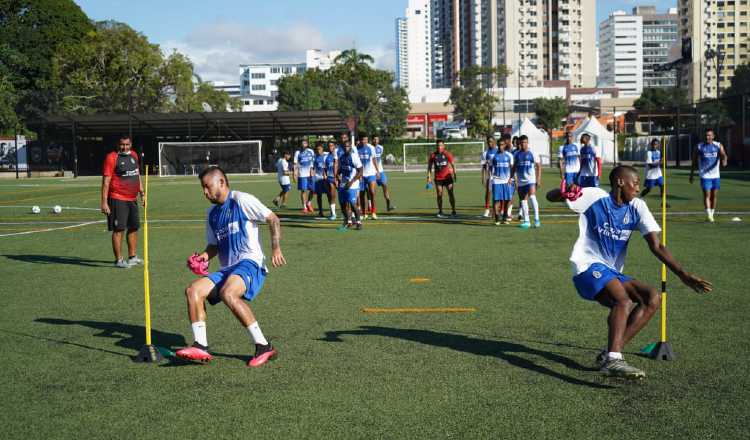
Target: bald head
[622,172]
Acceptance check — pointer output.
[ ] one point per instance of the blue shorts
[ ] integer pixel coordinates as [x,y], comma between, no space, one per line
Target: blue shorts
[252,274]
[286,187]
[331,181]
[383,179]
[365,183]
[305,184]
[593,280]
[524,190]
[571,178]
[650,183]
[588,181]
[348,196]
[502,191]
[709,184]
[321,186]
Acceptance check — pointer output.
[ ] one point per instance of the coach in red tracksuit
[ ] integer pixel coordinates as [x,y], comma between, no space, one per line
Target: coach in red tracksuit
[121,184]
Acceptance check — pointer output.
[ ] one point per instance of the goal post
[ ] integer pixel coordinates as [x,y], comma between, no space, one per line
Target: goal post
[466,155]
[190,158]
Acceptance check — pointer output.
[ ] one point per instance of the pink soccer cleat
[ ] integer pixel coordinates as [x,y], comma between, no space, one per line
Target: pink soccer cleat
[263,354]
[194,353]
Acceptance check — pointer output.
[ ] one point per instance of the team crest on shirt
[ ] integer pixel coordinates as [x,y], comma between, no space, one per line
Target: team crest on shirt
[596,274]
[626,219]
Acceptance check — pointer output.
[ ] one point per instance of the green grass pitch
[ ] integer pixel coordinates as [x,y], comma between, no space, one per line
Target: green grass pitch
[518,367]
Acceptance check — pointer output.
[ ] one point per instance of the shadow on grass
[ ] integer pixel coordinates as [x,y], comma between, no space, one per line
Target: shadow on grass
[55,259]
[511,352]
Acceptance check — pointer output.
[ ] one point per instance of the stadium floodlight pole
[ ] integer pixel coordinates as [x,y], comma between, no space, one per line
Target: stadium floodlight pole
[148,352]
[663,350]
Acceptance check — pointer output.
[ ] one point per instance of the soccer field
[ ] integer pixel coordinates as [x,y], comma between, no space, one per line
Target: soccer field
[519,366]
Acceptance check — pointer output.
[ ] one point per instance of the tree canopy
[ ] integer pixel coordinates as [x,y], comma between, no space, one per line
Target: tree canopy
[471,99]
[551,112]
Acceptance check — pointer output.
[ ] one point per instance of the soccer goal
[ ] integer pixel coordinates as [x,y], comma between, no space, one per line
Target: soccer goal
[190,158]
[466,155]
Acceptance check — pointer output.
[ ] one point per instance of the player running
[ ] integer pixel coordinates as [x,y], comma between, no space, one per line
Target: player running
[485,159]
[320,183]
[653,169]
[282,175]
[445,176]
[606,223]
[708,157]
[349,173]
[382,181]
[232,233]
[501,172]
[569,160]
[590,160]
[330,173]
[303,172]
[370,176]
[528,173]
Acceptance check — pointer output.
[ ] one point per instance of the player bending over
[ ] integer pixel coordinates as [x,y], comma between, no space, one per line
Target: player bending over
[382,181]
[445,176]
[349,174]
[605,224]
[232,233]
[528,172]
[707,158]
[282,174]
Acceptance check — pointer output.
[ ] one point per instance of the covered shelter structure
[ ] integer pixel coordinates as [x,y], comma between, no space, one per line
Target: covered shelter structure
[538,139]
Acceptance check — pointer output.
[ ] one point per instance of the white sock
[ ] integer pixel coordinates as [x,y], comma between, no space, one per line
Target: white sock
[535,206]
[510,210]
[525,211]
[199,333]
[333,209]
[256,334]
[708,212]
[711,212]
[614,355]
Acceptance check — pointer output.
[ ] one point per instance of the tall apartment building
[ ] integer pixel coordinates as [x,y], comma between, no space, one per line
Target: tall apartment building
[317,59]
[413,48]
[720,26]
[402,53]
[259,84]
[537,40]
[659,35]
[621,53]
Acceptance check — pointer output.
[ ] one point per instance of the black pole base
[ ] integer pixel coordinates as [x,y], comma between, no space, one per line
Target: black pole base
[663,352]
[149,353]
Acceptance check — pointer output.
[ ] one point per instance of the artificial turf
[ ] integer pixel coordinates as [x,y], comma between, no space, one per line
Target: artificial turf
[520,366]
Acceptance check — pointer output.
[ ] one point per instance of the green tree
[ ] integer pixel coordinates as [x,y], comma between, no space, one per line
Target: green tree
[31,33]
[471,99]
[186,92]
[740,86]
[8,101]
[551,112]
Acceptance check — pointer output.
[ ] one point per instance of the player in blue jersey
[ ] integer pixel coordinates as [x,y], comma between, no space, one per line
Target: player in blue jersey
[528,173]
[330,177]
[709,155]
[501,175]
[349,174]
[511,146]
[233,235]
[590,160]
[303,171]
[370,176]
[485,160]
[653,169]
[569,160]
[382,181]
[320,183]
[606,222]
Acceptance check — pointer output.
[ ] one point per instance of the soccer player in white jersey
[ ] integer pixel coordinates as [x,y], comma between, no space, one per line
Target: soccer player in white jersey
[528,172]
[370,176]
[707,158]
[382,181]
[233,235]
[653,169]
[349,174]
[282,175]
[501,176]
[485,160]
[590,160]
[303,172]
[605,224]
[569,160]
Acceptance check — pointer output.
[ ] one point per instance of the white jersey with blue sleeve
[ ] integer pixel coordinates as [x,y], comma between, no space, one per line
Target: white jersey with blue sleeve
[233,228]
[378,157]
[708,160]
[526,167]
[588,159]
[605,229]
[348,164]
[500,167]
[366,153]
[282,166]
[571,158]
[653,164]
[304,161]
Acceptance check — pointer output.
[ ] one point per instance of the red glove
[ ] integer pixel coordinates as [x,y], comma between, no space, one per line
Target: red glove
[572,192]
[197,265]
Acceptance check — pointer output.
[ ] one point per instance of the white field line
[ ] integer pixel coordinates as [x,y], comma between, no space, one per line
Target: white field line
[79,225]
[71,208]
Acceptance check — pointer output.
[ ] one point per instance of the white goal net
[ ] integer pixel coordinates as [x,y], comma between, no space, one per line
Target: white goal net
[466,155]
[190,158]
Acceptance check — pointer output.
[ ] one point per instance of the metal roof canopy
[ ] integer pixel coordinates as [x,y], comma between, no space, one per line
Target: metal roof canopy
[239,125]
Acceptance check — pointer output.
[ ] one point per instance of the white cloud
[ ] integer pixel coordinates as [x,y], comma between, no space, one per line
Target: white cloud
[217,49]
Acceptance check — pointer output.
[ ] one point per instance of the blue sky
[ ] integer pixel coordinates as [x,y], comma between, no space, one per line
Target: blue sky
[221,34]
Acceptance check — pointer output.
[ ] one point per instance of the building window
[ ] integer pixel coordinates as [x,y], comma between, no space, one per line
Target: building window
[259,87]
[287,70]
[258,75]
[246,83]
[275,70]
[274,82]
[258,102]
[270,102]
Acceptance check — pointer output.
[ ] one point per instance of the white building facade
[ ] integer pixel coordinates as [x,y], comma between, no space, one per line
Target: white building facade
[413,47]
[317,59]
[659,37]
[259,87]
[621,53]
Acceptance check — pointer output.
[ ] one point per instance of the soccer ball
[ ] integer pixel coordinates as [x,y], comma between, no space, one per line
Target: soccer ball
[35,210]
[57,209]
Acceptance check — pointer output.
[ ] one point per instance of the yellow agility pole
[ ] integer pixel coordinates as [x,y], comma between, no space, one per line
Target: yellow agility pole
[149,352]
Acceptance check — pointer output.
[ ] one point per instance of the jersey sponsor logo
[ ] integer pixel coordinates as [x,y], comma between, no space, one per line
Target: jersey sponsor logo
[609,231]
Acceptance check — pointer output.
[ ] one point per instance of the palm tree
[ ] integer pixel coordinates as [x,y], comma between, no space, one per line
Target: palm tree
[351,57]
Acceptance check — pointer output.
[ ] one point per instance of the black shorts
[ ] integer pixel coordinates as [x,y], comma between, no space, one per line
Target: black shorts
[448,181]
[123,215]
